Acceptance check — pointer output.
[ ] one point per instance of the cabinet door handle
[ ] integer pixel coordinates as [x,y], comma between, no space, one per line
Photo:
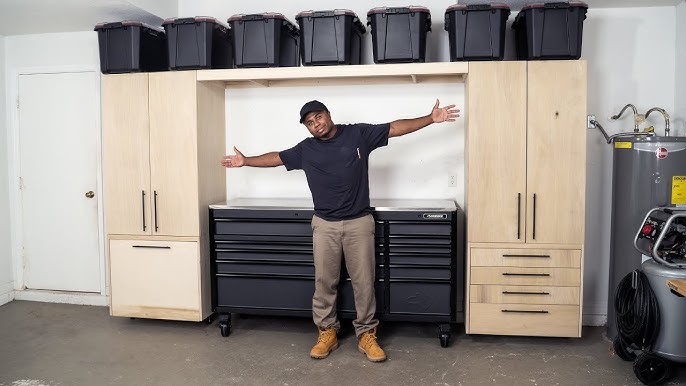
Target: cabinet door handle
[519,214]
[533,233]
[526,274]
[151,246]
[537,256]
[143,201]
[155,203]
[527,311]
[524,293]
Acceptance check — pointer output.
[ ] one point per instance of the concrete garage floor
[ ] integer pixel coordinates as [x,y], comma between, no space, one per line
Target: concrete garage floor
[58,344]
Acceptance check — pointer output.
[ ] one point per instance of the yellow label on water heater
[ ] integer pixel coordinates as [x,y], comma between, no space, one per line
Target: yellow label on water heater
[678,190]
[622,145]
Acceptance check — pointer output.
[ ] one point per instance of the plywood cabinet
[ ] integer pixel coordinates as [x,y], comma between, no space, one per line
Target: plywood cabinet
[526,176]
[163,139]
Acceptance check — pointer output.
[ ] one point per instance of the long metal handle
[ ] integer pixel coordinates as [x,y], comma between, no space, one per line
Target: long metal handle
[537,256]
[519,214]
[527,311]
[143,201]
[155,203]
[525,274]
[533,234]
[151,246]
[524,293]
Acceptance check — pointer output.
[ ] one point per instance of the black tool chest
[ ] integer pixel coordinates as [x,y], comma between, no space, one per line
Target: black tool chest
[262,262]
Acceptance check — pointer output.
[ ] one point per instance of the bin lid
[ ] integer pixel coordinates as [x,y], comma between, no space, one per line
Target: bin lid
[195,19]
[126,23]
[258,16]
[327,13]
[562,4]
[477,7]
[408,9]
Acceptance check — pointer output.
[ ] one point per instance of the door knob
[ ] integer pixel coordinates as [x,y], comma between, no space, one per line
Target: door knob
[90,194]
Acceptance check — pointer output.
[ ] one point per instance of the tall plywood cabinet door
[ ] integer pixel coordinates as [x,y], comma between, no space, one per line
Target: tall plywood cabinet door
[556,152]
[174,154]
[126,160]
[496,152]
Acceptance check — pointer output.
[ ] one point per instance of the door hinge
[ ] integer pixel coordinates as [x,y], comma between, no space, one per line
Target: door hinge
[21,183]
[17,103]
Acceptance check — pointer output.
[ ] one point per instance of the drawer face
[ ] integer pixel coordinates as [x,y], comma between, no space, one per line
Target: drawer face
[524,319]
[154,275]
[265,293]
[265,269]
[564,258]
[417,248]
[419,273]
[402,228]
[419,298]
[346,298]
[417,259]
[275,256]
[524,294]
[263,246]
[526,276]
[239,227]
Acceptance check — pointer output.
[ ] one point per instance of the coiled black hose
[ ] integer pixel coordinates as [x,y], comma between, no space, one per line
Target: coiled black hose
[637,311]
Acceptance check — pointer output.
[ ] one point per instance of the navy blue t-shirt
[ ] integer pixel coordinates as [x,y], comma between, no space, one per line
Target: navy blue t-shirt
[337,169]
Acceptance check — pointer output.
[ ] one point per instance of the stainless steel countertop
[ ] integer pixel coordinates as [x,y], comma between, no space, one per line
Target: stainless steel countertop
[306,204]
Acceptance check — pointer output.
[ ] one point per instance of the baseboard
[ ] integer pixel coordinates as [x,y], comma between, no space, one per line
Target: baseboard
[6,292]
[594,314]
[86,299]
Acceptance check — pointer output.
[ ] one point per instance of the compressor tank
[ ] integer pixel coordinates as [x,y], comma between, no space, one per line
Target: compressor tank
[647,172]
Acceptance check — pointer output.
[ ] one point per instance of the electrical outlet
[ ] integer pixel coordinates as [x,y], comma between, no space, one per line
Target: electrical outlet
[452,180]
[590,118]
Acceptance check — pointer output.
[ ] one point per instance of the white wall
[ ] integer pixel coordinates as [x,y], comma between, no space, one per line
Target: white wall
[75,51]
[680,95]
[6,274]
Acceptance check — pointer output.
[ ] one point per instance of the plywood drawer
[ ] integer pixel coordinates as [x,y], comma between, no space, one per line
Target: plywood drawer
[524,319]
[524,294]
[526,276]
[155,279]
[567,258]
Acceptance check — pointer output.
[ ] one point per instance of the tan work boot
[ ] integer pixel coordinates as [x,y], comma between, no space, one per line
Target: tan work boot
[326,343]
[368,346]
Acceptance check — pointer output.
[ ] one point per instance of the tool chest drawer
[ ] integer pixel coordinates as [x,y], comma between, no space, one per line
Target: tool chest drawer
[264,292]
[419,297]
[525,319]
[570,258]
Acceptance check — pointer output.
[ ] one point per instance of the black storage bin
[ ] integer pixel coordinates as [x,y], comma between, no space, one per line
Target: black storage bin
[550,30]
[131,46]
[330,37]
[264,40]
[477,31]
[198,43]
[399,34]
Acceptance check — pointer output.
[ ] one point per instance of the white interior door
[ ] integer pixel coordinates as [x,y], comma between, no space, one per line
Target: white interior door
[58,168]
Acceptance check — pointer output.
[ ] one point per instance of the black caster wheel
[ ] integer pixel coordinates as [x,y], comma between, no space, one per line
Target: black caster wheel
[651,369]
[622,350]
[445,339]
[225,324]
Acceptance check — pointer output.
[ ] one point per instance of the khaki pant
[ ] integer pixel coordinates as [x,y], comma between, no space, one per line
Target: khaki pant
[354,240]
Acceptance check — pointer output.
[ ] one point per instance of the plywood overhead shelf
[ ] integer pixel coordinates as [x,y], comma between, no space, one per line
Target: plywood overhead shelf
[441,72]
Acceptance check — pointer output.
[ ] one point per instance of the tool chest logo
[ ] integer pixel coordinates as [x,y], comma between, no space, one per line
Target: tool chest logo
[435,216]
[661,153]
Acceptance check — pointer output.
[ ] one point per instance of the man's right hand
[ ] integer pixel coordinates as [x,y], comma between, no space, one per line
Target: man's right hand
[234,161]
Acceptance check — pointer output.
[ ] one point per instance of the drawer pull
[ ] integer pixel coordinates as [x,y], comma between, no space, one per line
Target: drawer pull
[526,311]
[524,293]
[525,274]
[152,246]
[537,256]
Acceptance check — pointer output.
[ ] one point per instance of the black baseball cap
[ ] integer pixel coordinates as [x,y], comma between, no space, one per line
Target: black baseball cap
[310,107]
